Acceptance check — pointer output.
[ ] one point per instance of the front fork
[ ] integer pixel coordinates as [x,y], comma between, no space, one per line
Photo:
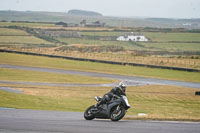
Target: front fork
[118,109]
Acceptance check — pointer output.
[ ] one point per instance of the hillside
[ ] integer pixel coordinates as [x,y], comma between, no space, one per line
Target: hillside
[110,21]
[84,13]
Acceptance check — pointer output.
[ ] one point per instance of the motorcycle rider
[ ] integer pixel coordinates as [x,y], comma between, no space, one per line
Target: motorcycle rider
[116,91]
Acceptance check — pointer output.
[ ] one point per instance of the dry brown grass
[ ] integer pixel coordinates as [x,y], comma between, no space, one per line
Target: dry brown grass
[120,57]
[38,61]
[75,28]
[159,102]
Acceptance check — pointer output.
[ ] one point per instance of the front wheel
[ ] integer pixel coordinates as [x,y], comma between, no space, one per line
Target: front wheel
[88,114]
[117,114]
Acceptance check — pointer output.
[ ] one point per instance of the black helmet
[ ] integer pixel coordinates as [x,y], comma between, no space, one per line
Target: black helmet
[122,87]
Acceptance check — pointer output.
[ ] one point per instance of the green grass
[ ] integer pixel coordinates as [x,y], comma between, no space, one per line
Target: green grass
[158,102]
[22,39]
[8,31]
[165,102]
[126,45]
[23,24]
[96,33]
[165,37]
[165,41]
[38,61]
[155,36]
[22,101]
[183,42]
[34,76]
[172,46]
[50,98]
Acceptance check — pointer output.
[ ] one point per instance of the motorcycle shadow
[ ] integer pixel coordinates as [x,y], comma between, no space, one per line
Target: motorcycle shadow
[107,120]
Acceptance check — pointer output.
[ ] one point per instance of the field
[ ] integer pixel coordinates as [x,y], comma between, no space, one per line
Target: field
[22,24]
[150,46]
[75,50]
[15,37]
[165,49]
[158,102]
[174,48]
[154,36]
[177,37]
[102,33]
[45,77]
[163,44]
[126,45]
[160,41]
[21,40]
[36,61]
[12,32]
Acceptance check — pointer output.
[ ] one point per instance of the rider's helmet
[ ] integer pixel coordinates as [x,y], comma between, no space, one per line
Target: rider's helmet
[122,87]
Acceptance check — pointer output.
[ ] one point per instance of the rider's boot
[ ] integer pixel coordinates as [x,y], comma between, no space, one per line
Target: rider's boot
[99,104]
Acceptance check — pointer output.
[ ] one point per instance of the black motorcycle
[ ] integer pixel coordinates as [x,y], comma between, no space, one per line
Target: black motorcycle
[115,109]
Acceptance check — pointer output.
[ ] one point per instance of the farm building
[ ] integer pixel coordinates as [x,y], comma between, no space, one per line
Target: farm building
[93,24]
[132,37]
[62,24]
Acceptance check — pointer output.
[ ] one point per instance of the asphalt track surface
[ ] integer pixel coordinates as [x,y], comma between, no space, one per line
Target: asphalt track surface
[36,121]
[128,80]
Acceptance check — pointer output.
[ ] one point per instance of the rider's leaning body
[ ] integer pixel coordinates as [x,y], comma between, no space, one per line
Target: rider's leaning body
[118,90]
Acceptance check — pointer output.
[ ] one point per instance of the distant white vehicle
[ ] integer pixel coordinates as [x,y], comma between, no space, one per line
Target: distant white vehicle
[132,37]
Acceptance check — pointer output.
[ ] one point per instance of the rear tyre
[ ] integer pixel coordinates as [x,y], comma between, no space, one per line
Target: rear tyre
[117,114]
[88,115]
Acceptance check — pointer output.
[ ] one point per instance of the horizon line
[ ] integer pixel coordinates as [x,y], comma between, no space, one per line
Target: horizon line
[119,16]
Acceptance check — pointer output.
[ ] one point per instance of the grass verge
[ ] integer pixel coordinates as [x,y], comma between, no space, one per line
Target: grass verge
[38,61]
[35,76]
[158,102]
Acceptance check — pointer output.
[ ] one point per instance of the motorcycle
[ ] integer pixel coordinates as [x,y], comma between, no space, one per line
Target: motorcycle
[115,109]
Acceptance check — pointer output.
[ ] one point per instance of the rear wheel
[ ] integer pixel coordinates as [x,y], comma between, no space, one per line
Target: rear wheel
[117,113]
[88,114]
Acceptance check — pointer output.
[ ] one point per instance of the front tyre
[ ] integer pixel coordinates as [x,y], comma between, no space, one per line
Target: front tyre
[117,113]
[88,115]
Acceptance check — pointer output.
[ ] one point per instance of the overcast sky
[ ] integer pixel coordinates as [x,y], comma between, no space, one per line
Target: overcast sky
[138,8]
